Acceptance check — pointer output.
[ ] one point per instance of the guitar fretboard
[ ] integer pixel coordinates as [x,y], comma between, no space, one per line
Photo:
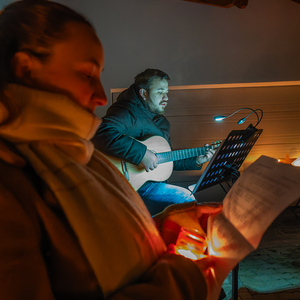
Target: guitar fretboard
[164,157]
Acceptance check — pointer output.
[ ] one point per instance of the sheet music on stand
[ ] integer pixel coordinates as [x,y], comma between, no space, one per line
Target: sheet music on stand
[228,158]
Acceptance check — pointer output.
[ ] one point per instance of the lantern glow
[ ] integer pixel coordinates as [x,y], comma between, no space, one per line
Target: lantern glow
[190,244]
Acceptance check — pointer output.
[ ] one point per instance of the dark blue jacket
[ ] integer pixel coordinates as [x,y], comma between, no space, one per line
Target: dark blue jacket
[129,120]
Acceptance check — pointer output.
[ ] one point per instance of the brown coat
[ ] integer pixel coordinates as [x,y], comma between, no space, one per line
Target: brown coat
[41,258]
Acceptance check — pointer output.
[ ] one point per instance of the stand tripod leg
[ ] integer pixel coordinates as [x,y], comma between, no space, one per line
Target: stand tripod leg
[235,282]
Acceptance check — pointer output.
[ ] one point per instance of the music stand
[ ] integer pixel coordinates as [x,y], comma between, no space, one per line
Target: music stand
[228,158]
[224,166]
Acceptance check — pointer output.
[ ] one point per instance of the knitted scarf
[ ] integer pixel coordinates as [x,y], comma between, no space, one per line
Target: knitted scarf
[112,224]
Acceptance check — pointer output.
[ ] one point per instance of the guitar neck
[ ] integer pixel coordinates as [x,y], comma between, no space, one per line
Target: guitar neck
[164,157]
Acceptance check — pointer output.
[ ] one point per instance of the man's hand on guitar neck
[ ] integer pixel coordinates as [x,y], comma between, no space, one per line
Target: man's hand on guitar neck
[205,158]
[149,161]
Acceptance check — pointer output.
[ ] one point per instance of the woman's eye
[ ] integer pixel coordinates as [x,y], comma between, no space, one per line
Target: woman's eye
[86,75]
[89,77]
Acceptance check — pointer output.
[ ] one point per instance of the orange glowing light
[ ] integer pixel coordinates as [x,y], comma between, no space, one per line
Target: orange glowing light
[286,160]
[195,237]
[190,244]
[187,253]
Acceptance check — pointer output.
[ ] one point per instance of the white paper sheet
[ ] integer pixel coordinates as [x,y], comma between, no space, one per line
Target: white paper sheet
[261,193]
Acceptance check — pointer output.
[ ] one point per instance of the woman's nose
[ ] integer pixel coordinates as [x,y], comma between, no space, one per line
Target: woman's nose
[100,94]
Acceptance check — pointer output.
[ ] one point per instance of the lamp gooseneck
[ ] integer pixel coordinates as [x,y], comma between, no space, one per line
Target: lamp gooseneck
[241,121]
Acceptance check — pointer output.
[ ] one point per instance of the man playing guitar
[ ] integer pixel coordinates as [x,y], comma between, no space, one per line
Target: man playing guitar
[138,116]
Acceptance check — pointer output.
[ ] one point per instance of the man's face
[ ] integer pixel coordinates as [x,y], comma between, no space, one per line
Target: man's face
[157,97]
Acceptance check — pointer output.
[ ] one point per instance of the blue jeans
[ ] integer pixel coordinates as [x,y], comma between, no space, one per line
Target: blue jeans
[158,195]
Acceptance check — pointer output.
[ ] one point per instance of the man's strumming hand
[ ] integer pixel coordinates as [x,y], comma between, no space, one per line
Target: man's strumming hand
[149,161]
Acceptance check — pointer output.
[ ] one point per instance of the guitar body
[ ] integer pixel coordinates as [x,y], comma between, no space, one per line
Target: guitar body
[137,175]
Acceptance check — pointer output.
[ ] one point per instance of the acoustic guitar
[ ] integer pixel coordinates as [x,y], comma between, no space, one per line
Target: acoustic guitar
[137,175]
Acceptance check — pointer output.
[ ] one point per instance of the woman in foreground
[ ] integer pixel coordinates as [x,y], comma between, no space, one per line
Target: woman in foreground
[71,226]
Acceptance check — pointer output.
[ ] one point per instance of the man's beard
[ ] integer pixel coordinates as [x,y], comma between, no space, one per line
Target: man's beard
[157,109]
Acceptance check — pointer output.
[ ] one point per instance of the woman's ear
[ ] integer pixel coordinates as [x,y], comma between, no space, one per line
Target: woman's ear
[143,93]
[21,66]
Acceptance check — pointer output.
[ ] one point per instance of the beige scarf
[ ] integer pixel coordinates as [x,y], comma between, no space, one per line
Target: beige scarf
[114,228]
